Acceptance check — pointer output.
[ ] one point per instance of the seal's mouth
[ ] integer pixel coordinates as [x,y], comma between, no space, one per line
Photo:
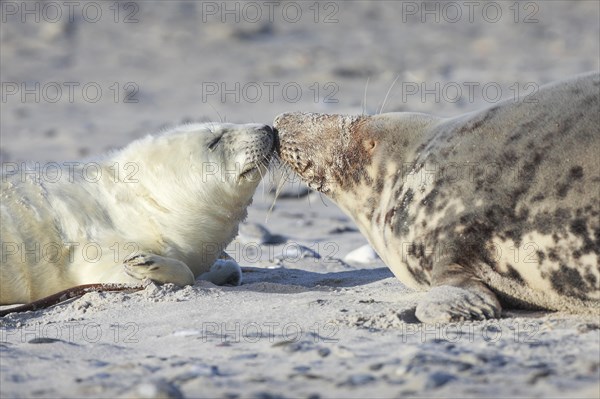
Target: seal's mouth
[253,171]
[288,143]
[250,172]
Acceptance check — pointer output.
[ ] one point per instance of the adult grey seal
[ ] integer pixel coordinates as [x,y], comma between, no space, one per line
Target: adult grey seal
[163,208]
[498,205]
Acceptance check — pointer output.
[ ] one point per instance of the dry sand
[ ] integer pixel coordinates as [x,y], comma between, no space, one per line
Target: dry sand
[305,323]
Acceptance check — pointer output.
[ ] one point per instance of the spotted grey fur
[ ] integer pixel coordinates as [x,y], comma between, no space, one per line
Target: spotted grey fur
[498,205]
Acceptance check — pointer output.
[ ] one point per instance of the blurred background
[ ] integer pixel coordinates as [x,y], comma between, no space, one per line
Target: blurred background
[83,77]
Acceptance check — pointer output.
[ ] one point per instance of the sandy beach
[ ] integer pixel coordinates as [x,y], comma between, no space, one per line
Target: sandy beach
[318,314]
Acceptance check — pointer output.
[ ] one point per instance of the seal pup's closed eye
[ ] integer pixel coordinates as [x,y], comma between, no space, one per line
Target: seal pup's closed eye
[496,204]
[163,208]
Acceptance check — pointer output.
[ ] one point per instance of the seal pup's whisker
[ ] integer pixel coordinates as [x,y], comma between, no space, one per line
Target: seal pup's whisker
[279,184]
[266,162]
[263,162]
[221,120]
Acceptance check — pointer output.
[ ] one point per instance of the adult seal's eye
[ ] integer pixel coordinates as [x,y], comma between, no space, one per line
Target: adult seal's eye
[213,144]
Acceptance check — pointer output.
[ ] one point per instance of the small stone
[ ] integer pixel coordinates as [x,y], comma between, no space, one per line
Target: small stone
[266,395]
[294,252]
[360,379]
[324,352]
[438,379]
[154,390]
[376,366]
[362,255]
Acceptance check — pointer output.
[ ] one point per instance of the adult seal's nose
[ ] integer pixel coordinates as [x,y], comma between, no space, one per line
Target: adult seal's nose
[280,120]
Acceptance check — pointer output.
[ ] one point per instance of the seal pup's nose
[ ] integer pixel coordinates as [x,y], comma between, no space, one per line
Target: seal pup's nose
[267,129]
[271,133]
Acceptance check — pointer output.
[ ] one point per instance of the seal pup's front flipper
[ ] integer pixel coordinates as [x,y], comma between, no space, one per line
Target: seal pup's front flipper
[159,269]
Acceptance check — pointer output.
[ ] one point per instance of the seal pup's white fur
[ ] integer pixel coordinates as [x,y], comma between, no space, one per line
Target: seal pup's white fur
[163,208]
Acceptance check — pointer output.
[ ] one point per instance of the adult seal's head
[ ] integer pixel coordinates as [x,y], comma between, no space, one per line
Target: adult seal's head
[338,153]
[501,203]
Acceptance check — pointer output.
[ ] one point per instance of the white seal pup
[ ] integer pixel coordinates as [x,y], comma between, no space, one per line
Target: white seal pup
[502,203]
[163,208]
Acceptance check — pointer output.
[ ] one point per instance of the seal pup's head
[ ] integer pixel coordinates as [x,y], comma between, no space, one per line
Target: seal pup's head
[211,161]
[193,184]
[237,155]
